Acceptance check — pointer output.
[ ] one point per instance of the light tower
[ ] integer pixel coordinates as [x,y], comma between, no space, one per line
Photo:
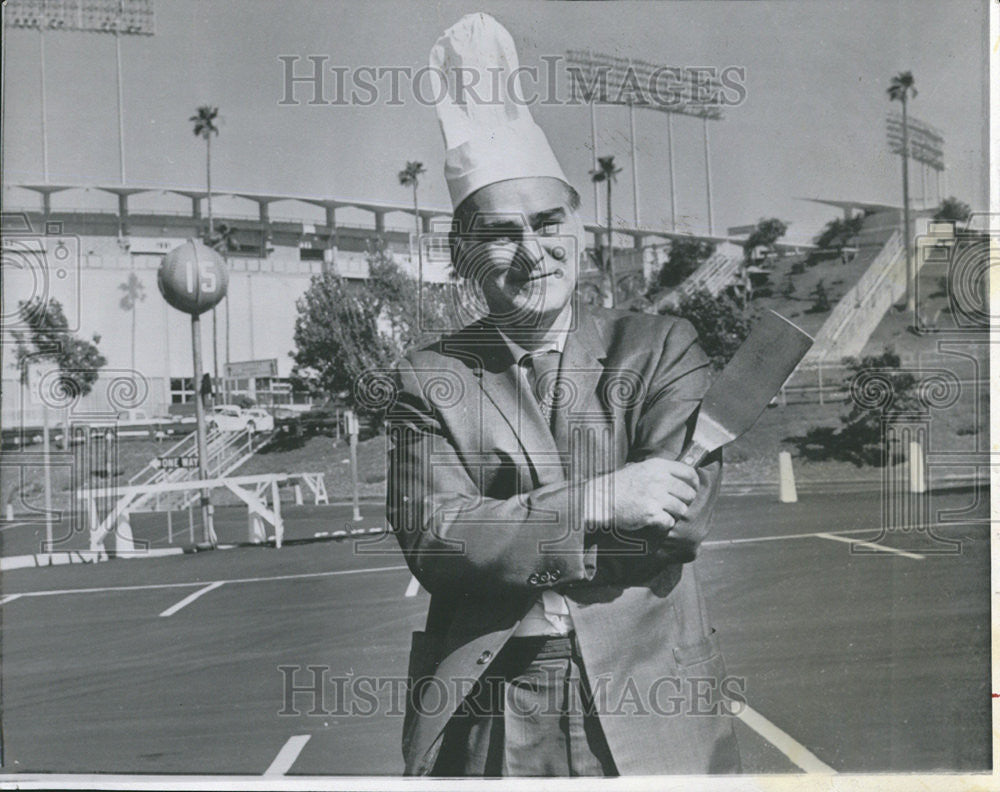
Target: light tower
[118,17]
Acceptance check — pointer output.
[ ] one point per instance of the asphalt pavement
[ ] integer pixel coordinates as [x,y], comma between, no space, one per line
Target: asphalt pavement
[861,651]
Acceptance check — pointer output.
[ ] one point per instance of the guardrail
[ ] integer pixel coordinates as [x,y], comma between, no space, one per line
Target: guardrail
[863,305]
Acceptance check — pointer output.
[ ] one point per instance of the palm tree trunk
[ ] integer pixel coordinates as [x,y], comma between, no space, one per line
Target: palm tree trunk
[416,220]
[211,231]
[208,180]
[611,251]
[910,278]
[132,358]
[215,346]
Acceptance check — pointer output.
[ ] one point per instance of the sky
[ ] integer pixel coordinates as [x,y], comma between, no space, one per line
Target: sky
[811,125]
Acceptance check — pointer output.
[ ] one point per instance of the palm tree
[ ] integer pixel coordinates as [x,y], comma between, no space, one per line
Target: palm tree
[410,177]
[606,172]
[204,126]
[134,293]
[900,89]
[224,241]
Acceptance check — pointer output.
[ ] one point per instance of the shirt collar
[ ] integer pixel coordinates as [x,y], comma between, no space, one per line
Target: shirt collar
[555,339]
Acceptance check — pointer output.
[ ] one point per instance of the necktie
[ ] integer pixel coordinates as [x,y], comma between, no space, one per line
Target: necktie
[543,376]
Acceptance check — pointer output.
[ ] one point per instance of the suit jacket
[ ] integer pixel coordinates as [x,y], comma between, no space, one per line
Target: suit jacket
[485,500]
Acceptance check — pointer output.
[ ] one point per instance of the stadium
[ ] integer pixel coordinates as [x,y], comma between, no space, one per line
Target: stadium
[227,599]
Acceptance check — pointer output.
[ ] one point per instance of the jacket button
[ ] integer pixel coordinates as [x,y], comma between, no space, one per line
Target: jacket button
[485,657]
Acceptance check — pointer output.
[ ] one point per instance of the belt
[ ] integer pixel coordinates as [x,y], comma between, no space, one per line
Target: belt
[542,647]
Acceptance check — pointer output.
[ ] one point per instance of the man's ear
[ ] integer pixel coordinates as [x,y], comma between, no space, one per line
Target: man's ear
[454,246]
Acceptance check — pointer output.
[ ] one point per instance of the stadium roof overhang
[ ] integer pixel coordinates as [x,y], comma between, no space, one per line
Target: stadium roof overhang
[868,206]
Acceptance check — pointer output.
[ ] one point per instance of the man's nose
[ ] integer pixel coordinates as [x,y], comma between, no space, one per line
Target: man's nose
[529,253]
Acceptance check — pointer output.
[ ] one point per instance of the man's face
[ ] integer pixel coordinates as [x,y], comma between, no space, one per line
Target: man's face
[523,248]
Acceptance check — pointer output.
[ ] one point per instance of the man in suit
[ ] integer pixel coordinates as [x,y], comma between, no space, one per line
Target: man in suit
[535,492]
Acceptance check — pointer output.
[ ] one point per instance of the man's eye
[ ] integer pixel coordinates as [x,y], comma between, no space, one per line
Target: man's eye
[496,238]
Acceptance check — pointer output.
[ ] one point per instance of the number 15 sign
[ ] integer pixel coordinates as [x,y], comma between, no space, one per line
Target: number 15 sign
[193,278]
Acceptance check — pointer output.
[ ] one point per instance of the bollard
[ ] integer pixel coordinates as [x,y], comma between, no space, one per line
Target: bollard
[918,482]
[10,512]
[257,535]
[786,479]
[123,536]
[298,494]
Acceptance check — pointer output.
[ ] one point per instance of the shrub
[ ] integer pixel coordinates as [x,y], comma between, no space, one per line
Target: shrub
[721,322]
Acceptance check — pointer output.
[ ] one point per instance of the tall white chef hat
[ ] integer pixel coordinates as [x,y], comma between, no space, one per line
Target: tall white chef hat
[488,135]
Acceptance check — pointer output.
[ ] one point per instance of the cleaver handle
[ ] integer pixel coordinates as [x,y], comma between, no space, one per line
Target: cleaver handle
[694,454]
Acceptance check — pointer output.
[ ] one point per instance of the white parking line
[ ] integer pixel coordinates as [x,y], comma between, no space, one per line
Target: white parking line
[9,598]
[287,755]
[413,588]
[796,752]
[872,545]
[825,535]
[191,598]
[262,579]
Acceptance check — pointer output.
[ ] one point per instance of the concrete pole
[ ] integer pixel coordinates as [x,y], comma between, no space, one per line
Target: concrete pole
[199,411]
[593,159]
[918,482]
[635,170]
[670,161]
[786,479]
[708,174]
[121,103]
[48,478]
[41,72]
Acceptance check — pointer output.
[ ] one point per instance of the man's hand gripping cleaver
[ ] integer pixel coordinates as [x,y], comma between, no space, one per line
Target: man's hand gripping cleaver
[747,384]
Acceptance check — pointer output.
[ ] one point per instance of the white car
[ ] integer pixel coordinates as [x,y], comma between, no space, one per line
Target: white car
[230,418]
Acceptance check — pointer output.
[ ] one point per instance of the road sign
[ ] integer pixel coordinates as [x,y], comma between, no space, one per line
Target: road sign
[351,424]
[244,369]
[176,463]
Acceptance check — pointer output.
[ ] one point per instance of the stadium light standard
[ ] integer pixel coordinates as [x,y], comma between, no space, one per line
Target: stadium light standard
[899,90]
[119,17]
[193,279]
[610,80]
[915,140]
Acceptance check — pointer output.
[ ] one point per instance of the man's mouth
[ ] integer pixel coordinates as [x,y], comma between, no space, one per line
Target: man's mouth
[523,277]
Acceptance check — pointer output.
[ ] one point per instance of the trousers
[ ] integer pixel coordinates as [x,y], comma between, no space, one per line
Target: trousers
[530,714]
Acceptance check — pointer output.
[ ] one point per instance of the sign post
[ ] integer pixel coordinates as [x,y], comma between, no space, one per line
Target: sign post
[193,279]
[352,426]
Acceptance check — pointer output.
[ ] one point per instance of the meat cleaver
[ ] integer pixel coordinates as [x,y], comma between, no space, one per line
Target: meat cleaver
[747,384]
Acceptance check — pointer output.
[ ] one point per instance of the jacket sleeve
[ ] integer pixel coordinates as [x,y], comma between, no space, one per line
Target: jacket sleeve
[456,539]
[666,422]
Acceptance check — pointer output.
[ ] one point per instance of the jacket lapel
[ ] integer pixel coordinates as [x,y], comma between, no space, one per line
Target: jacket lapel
[583,422]
[507,394]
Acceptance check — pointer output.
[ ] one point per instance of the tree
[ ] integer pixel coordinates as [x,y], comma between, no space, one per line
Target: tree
[953,209]
[768,231]
[686,255]
[134,293]
[607,172]
[345,331]
[224,241]
[821,300]
[204,127]
[721,322]
[877,389]
[900,89]
[48,339]
[410,177]
[839,232]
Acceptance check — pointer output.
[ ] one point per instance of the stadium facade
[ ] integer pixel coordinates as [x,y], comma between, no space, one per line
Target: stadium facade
[87,259]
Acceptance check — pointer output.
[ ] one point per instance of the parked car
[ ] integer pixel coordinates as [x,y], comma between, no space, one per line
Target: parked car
[230,418]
